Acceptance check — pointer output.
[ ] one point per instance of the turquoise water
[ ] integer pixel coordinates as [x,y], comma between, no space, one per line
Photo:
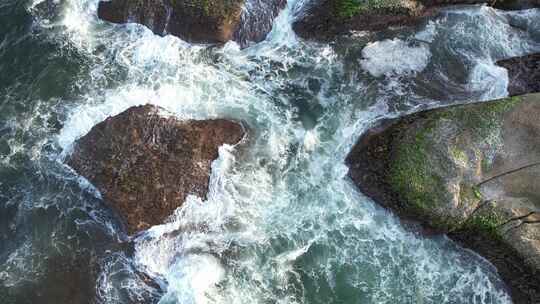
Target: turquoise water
[282,222]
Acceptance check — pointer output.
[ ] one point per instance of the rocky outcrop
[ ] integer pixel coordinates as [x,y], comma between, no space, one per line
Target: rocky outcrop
[325,19]
[523,74]
[472,171]
[199,21]
[145,164]
[257,20]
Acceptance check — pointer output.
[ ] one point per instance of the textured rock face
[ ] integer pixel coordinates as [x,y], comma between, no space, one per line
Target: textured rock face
[145,164]
[523,74]
[199,21]
[324,19]
[257,20]
[471,171]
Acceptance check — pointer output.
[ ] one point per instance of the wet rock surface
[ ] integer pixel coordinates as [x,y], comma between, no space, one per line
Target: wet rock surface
[523,74]
[472,171]
[198,21]
[257,20]
[326,19]
[146,164]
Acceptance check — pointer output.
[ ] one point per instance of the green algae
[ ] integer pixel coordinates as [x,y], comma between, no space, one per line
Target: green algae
[417,170]
[346,9]
[209,8]
[411,174]
[486,223]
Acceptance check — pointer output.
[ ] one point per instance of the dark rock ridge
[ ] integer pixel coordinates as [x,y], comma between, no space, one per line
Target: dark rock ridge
[198,21]
[145,164]
[325,19]
[257,20]
[523,74]
[472,171]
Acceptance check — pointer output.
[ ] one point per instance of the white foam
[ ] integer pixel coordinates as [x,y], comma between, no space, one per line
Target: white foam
[194,280]
[490,79]
[311,140]
[394,57]
[282,33]
[429,32]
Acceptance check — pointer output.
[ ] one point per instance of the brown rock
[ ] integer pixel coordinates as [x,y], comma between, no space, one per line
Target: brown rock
[145,164]
[523,74]
[198,21]
[193,20]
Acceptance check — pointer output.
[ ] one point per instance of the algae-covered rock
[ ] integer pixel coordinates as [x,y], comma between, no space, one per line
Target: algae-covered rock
[472,171]
[145,164]
[199,21]
[324,19]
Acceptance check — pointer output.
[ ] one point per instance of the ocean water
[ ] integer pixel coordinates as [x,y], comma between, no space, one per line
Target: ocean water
[282,222]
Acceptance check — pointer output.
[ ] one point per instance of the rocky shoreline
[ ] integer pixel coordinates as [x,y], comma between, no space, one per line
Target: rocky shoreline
[471,171]
[198,21]
[468,171]
[145,162]
[326,19]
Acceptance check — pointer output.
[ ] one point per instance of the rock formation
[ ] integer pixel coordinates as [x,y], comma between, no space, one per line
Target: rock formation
[472,171]
[324,19]
[523,74]
[145,164]
[257,20]
[199,21]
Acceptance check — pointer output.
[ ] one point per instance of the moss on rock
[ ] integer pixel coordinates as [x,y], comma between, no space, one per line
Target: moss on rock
[208,8]
[487,223]
[410,172]
[432,153]
[470,171]
[347,9]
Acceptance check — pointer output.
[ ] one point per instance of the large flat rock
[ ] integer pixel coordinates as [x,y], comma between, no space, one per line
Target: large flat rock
[145,164]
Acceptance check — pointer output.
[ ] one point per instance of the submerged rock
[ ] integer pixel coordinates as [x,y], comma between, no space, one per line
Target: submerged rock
[472,171]
[523,74]
[145,164]
[324,19]
[199,21]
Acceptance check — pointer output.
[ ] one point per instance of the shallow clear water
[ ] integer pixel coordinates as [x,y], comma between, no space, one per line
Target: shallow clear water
[282,222]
